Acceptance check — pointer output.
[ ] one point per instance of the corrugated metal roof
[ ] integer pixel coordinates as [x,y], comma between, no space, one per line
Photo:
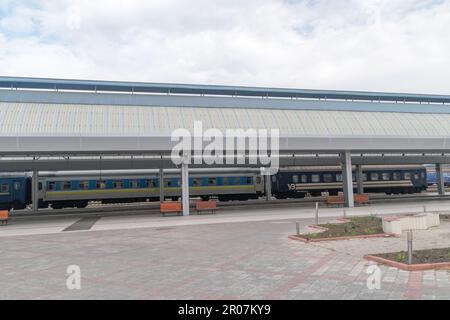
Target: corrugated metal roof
[120,86]
[32,119]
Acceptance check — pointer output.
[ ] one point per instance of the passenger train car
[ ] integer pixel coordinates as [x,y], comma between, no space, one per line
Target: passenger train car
[76,191]
[15,191]
[61,190]
[432,178]
[297,182]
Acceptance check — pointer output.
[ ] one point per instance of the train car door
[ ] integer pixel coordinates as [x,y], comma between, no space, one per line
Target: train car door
[275,183]
[5,191]
[17,188]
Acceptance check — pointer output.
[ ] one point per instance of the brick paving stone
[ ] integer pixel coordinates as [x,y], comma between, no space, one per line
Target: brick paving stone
[242,260]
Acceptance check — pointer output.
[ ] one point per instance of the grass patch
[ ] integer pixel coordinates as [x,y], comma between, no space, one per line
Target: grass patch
[419,256]
[357,226]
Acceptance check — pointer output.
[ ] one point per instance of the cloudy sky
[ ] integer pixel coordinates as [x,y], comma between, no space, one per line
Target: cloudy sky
[375,45]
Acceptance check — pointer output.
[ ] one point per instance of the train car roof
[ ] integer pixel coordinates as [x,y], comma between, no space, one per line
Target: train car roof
[338,168]
[144,172]
[14,174]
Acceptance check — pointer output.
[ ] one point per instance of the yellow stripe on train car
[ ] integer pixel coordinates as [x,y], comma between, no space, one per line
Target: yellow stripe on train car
[152,190]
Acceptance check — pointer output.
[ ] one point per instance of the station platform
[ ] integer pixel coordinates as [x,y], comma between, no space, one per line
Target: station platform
[234,254]
[55,224]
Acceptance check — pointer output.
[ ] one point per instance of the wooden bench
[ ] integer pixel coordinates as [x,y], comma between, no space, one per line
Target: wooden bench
[4,216]
[206,206]
[361,199]
[170,207]
[335,200]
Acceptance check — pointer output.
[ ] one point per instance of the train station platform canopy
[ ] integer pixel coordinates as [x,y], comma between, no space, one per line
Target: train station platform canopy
[51,116]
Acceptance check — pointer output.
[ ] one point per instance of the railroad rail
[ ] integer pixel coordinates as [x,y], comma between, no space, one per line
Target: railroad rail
[154,207]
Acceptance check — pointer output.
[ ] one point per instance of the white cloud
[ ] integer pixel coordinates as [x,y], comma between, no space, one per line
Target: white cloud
[382,45]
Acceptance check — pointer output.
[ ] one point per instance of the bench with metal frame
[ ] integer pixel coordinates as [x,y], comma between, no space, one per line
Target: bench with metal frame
[4,216]
[361,199]
[210,205]
[171,207]
[335,200]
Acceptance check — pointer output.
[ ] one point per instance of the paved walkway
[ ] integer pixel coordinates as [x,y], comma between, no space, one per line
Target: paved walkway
[51,225]
[234,255]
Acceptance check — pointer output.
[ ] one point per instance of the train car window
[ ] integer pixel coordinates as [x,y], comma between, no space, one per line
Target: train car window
[315,178]
[134,184]
[167,183]
[52,185]
[5,188]
[397,176]
[151,183]
[40,186]
[249,180]
[374,176]
[295,178]
[101,184]
[226,181]
[386,176]
[407,175]
[83,185]
[423,174]
[304,178]
[258,180]
[364,177]
[16,186]
[198,182]
[327,178]
[212,181]
[353,177]
[66,185]
[416,176]
[339,177]
[118,184]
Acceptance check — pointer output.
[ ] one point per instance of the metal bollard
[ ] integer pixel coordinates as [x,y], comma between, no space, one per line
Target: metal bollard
[317,213]
[298,227]
[410,246]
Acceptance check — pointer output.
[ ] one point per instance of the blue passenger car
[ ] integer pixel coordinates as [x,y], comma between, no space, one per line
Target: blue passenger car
[67,190]
[298,183]
[432,178]
[15,192]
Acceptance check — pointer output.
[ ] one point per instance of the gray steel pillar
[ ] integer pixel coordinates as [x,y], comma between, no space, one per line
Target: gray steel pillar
[185,187]
[348,179]
[440,179]
[35,191]
[161,185]
[359,179]
[268,184]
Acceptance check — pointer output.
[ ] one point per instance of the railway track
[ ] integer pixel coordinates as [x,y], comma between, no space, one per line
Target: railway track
[153,207]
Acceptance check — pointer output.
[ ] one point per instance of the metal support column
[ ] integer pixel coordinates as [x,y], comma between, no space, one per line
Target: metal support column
[359,179]
[35,191]
[185,187]
[161,185]
[268,184]
[348,179]
[440,179]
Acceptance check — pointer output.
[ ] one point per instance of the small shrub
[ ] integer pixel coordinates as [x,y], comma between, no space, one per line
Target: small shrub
[400,256]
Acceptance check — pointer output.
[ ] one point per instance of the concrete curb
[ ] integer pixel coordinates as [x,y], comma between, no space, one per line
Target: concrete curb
[303,239]
[408,267]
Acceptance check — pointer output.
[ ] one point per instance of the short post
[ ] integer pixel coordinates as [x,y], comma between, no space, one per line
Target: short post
[410,245]
[345,214]
[425,209]
[297,224]
[317,213]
